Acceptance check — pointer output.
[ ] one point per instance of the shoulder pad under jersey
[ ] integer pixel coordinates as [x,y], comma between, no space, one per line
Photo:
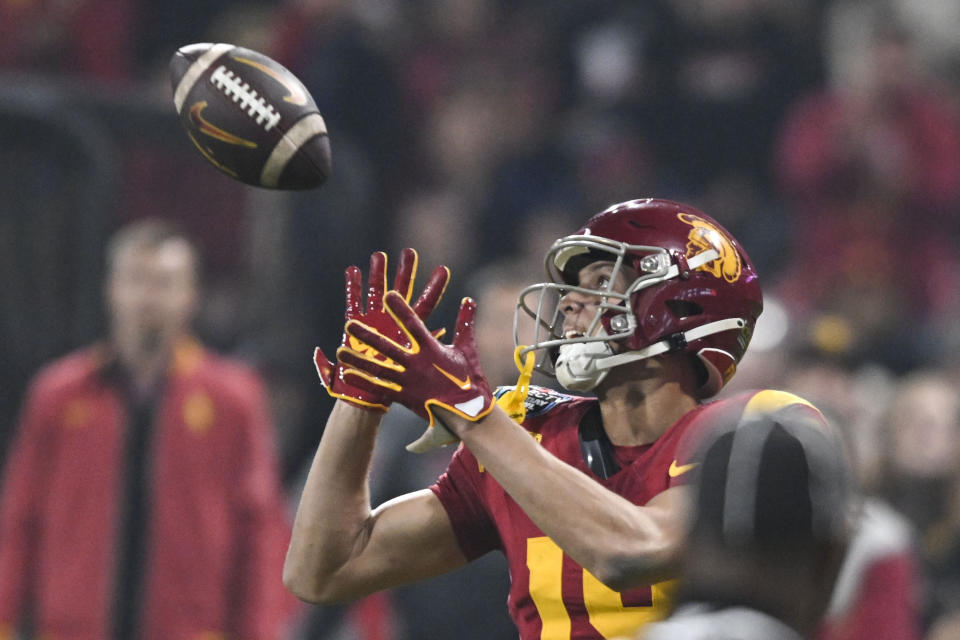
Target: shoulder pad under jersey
[539,400]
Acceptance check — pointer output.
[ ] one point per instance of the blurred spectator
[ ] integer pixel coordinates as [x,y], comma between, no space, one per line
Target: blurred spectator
[935,26]
[923,445]
[857,398]
[141,498]
[92,38]
[113,41]
[726,69]
[922,479]
[945,628]
[442,223]
[870,166]
[611,159]
[534,169]
[352,76]
[878,595]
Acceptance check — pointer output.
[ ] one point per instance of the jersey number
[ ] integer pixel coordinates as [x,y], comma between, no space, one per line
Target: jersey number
[605,608]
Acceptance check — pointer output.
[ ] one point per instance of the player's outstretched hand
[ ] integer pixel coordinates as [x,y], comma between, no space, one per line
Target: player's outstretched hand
[332,374]
[423,372]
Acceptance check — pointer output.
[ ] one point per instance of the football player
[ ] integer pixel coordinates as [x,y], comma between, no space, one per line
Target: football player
[649,309]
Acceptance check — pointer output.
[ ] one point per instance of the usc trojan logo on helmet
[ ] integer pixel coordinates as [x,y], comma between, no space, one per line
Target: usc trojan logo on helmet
[705,236]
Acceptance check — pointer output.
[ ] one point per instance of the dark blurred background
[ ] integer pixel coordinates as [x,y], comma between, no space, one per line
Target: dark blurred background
[824,134]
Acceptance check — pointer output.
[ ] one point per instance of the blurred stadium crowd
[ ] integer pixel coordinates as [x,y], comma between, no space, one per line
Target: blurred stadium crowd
[825,134]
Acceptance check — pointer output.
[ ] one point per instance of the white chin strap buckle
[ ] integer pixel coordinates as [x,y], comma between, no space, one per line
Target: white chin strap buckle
[576,367]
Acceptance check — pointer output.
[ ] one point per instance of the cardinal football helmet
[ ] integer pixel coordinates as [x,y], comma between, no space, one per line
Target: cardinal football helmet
[690,288]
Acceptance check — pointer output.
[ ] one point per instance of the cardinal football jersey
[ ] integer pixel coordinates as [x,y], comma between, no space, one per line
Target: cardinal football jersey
[551,596]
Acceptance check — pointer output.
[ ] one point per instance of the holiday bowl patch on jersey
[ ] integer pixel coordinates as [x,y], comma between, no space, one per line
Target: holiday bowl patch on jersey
[250,117]
[538,401]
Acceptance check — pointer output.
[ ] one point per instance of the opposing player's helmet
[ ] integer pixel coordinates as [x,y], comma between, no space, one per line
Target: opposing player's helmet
[692,288]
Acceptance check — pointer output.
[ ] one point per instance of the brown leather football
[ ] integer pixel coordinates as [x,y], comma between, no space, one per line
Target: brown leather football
[250,117]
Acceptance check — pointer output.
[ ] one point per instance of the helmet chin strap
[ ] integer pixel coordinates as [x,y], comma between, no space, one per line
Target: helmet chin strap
[672,343]
[576,367]
[582,366]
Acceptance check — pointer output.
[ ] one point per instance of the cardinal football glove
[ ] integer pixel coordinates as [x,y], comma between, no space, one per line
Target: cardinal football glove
[332,374]
[418,369]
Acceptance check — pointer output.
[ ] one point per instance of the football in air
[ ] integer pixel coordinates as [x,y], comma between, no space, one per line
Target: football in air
[250,117]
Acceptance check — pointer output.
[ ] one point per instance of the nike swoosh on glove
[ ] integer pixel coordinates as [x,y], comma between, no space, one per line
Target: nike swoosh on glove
[420,371]
[332,374]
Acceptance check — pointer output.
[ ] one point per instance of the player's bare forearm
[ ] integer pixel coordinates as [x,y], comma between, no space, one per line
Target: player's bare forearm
[334,507]
[341,549]
[622,544]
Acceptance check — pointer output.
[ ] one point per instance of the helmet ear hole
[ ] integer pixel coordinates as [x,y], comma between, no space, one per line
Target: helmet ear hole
[683,308]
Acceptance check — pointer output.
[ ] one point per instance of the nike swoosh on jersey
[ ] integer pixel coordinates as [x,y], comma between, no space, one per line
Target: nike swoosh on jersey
[678,470]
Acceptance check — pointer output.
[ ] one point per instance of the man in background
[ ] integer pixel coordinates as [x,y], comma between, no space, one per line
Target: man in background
[142,498]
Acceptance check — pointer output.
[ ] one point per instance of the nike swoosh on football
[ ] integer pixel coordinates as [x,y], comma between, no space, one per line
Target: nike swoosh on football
[209,156]
[678,470]
[206,128]
[295,94]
